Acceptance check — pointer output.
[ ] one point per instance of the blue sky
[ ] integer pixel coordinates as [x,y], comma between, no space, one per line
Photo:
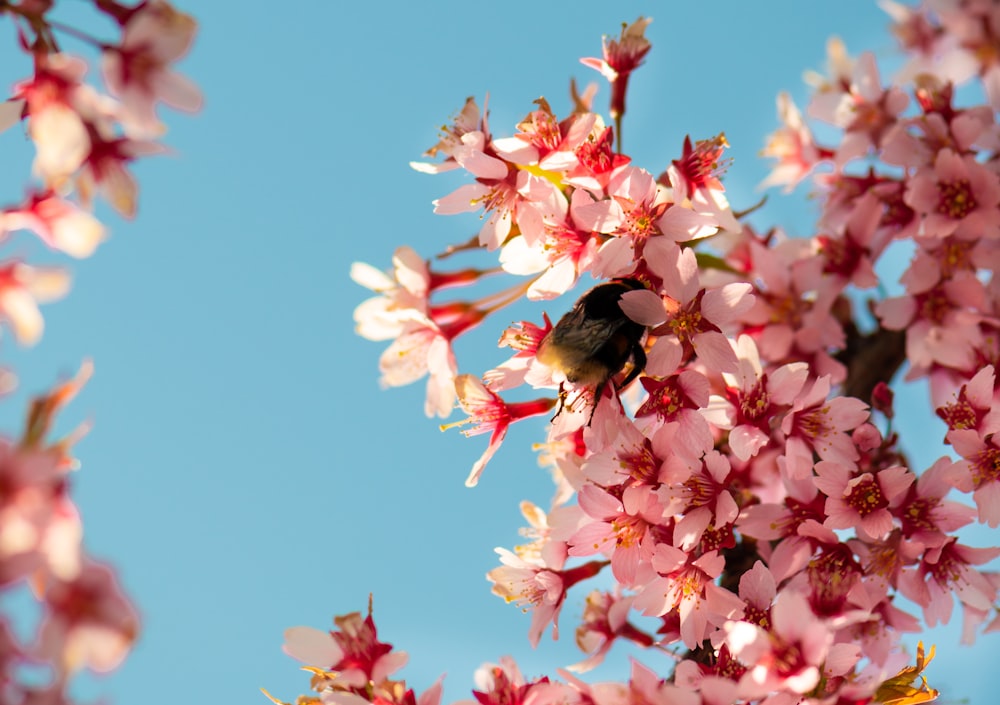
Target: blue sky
[245,472]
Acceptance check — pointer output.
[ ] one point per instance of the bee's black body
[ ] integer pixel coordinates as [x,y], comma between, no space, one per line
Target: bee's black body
[594,341]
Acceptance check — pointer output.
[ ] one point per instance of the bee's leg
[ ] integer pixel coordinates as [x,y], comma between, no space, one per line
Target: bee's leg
[638,365]
[562,402]
[598,395]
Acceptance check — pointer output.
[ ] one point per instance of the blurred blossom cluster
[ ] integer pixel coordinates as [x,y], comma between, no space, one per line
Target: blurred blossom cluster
[86,136]
[747,494]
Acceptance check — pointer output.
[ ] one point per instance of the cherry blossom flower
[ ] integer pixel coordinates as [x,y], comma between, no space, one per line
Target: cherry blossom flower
[541,587]
[22,288]
[973,406]
[617,528]
[818,424]
[138,71]
[690,316]
[56,102]
[687,584]
[944,570]
[89,621]
[605,619]
[979,473]
[861,500]
[788,656]
[490,413]
[621,58]
[755,398]
[861,106]
[59,223]
[697,177]
[956,196]
[793,146]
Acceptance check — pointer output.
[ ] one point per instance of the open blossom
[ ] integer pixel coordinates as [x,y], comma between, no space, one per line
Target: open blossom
[352,652]
[946,570]
[861,106]
[538,586]
[786,656]
[979,472]
[90,623]
[818,424]
[957,196]
[138,71]
[862,500]
[22,288]
[490,414]
[57,222]
[605,619]
[755,398]
[56,102]
[690,316]
[688,585]
[697,177]
[792,145]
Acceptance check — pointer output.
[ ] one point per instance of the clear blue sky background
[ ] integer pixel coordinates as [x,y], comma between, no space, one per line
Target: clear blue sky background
[245,472]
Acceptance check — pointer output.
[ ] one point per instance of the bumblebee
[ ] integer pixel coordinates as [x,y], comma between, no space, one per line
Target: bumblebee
[594,341]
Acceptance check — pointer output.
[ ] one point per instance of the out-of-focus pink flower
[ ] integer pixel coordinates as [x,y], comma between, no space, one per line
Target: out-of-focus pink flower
[60,110]
[788,655]
[22,287]
[138,71]
[59,224]
[793,146]
[957,196]
[948,569]
[89,622]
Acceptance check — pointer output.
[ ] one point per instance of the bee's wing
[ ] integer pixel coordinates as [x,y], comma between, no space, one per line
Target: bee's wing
[585,335]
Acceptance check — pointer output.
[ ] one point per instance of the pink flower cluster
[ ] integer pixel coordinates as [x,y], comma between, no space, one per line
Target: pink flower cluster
[85,140]
[751,508]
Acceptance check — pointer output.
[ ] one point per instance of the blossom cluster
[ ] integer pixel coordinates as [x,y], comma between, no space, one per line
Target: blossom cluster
[748,494]
[85,139]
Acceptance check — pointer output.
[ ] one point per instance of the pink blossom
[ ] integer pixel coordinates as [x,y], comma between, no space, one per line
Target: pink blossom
[59,224]
[788,656]
[687,584]
[621,58]
[946,569]
[821,424]
[538,586]
[689,315]
[792,305]
[705,500]
[956,196]
[617,528]
[793,146]
[979,472]
[490,414]
[697,177]
[941,324]
[756,398]
[605,619]
[861,106]
[138,71]
[89,621]
[22,288]
[861,500]
[973,407]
